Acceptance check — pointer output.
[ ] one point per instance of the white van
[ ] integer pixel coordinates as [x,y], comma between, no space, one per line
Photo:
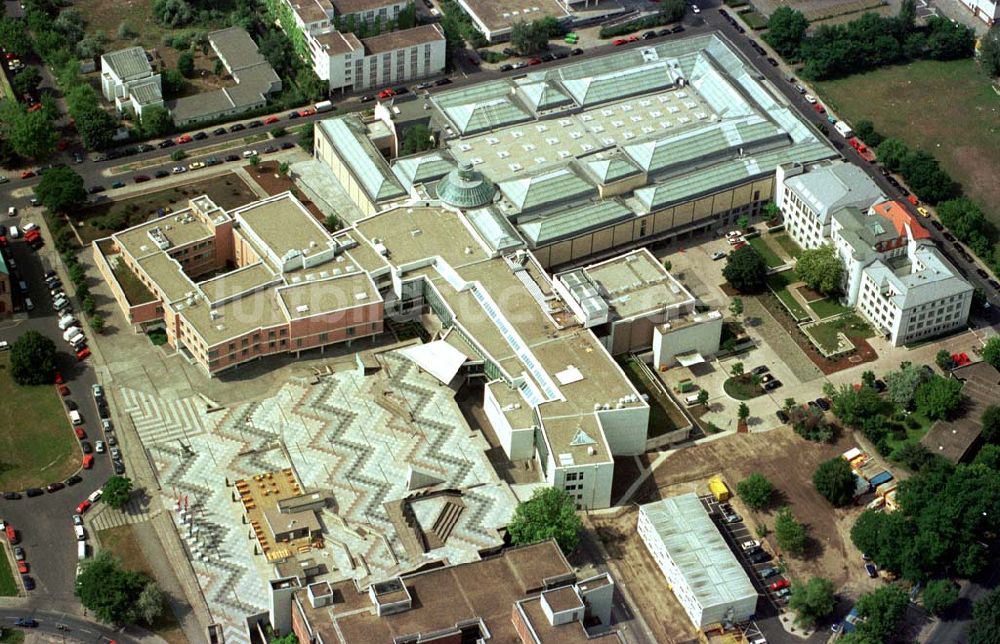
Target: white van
[60,303]
[691,400]
[81,550]
[14,232]
[80,536]
[28,304]
[74,417]
[30,226]
[70,332]
[12,211]
[66,322]
[78,340]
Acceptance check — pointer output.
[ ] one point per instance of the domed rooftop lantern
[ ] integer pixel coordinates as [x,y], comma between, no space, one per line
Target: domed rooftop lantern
[464,187]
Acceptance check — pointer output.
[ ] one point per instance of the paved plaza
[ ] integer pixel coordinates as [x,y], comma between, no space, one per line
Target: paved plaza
[358,440]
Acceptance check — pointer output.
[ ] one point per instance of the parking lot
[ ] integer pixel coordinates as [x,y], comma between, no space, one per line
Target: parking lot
[44,522]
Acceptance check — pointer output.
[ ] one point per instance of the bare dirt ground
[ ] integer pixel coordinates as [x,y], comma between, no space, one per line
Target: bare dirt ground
[789,462]
[658,606]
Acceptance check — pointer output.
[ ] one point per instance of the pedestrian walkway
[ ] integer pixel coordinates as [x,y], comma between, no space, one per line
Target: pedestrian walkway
[137,510]
[159,421]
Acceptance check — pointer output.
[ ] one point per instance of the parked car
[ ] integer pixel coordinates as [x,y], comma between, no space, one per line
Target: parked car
[823,404]
[871,569]
[782,415]
[779,584]
[750,545]
[55,487]
[770,571]
[140,178]
[219,131]
[237,127]
[771,386]
[271,119]
[95,189]
[761,370]
[200,136]
[759,557]
[719,254]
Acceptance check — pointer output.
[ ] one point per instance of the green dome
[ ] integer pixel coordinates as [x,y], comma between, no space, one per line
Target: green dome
[464,187]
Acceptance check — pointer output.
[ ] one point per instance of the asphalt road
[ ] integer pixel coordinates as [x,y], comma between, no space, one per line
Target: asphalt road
[73,628]
[44,522]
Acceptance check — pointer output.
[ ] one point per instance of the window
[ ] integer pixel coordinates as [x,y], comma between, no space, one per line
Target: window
[572,476]
[350,331]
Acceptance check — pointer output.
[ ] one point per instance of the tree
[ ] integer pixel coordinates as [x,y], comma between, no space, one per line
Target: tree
[14,37]
[32,359]
[61,189]
[902,385]
[868,378]
[109,591]
[991,351]
[255,161]
[703,397]
[880,610]
[185,64]
[30,134]
[852,406]
[333,223]
[150,603]
[172,13]
[986,620]
[810,423]
[964,218]
[791,535]
[947,40]
[417,139]
[737,369]
[97,323]
[989,52]
[277,49]
[117,491]
[743,412]
[756,491]
[939,398]
[812,600]
[736,307]
[156,121]
[173,83]
[926,178]
[785,30]
[69,24]
[891,153]
[820,269]
[529,37]
[219,69]
[940,595]
[988,456]
[865,130]
[283,168]
[907,16]
[126,31]
[26,81]
[990,420]
[835,481]
[913,455]
[746,270]
[550,513]
[307,137]
[290,638]
[91,46]
[943,360]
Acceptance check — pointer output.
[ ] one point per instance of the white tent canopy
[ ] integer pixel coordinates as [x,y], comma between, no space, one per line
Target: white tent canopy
[437,358]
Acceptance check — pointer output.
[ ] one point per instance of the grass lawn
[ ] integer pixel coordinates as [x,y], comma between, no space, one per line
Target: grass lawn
[946,108]
[663,415]
[850,325]
[37,446]
[788,244]
[8,587]
[913,435]
[122,542]
[827,307]
[11,636]
[778,283]
[135,291]
[826,335]
[227,191]
[742,388]
[762,247]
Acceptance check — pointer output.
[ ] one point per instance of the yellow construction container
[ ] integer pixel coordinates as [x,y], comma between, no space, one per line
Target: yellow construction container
[718,489]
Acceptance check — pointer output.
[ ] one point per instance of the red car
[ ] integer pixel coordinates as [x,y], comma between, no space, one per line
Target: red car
[88,462]
[81,433]
[535,61]
[27,174]
[63,390]
[83,507]
[83,354]
[32,236]
[632,38]
[309,111]
[819,108]
[781,583]
[618,41]
[58,378]
[22,567]
[184,138]
[11,534]
[271,119]
[387,93]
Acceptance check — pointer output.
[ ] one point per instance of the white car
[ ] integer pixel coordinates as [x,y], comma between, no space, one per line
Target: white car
[12,211]
[179,169]
[99,447]
[695,8]
[4,345]
[249,153]
[29,226]
[719,254]
[77,519]
[750,545]
[810,99]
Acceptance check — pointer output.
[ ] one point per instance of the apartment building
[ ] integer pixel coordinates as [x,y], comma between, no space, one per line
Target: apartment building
[808,195]
[349,63]
[986,10]
[230,287]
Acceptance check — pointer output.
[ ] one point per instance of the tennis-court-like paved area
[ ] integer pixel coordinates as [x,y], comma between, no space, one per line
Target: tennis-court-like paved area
[353,438]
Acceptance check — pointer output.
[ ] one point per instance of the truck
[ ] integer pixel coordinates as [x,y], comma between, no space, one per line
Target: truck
[324,106]
[843,129]
[718,489]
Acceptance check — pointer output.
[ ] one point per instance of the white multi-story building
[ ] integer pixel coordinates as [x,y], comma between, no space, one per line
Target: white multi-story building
[895,276]
[809,194]
[702,571]
[349,63]
[127,80]
[986,10]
